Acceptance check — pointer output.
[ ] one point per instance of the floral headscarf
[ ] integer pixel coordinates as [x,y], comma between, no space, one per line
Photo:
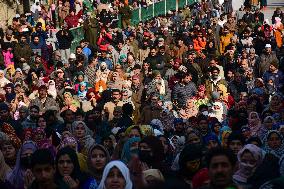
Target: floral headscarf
[68,141]
[11,133]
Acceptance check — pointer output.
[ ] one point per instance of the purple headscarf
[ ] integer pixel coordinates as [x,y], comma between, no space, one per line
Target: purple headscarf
[16,177]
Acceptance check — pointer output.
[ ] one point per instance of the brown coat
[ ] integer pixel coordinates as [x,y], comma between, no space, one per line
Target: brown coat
[179,51]
[149,113]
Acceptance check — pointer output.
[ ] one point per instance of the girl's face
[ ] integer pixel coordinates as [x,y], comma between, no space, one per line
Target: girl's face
[80,78]
[212,144]
[41,122]
[82,87]
[98,159]
[67,97]
[274,141]
[275,101]
[193,139]
[217,128]
[115,179]
[248,158]
[80,131]
[65,165]
[268,124]
[254,116]
[146,66]
[201,93]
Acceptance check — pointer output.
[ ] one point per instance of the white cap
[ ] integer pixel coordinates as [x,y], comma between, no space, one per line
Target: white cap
[18,70]
[267,46]
[72,55]
[26,67]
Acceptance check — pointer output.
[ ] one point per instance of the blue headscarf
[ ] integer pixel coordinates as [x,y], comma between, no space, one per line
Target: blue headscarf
[126,151]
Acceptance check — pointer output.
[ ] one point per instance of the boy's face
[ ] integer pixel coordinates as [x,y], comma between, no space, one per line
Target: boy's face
[43,174]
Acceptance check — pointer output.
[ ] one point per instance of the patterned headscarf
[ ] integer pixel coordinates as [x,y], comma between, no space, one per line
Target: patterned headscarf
[11,133]
[69,141]
[277,152]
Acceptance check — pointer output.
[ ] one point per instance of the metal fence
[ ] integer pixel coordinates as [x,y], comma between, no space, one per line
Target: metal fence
[140,14]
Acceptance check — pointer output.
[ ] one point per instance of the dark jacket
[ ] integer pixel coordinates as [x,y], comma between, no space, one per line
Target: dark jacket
[181,92]
[64,39]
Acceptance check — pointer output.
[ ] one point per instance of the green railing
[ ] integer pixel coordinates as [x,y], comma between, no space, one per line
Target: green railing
[140,14]
[156,9]
[78,34]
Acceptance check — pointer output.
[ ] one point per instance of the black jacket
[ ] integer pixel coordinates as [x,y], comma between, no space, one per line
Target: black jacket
[65,39]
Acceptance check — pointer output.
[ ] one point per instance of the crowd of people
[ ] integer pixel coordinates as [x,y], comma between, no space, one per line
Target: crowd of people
[191,99]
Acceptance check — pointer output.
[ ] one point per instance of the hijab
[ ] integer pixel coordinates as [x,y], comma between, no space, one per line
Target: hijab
[277,152]
[126,151]
[245,169]
[10,96]
[87,139]
[16,177]
[122,168]
[189,153]
[95,173]
[76,173]
[254,123]
[5,169]
[263,130]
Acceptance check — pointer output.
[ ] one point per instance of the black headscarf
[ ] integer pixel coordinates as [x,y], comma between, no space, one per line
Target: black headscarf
[189,153]
[10,96]
[76,173]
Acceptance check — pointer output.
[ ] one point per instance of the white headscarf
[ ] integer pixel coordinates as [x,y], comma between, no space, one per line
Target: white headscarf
[122,168]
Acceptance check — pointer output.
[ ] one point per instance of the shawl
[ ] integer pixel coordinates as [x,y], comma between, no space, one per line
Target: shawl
[87,139]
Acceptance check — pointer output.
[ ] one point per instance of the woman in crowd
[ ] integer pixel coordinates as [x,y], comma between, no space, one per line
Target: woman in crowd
[83,135]
[68,170]
[116,174]
[22,169]
[98,158]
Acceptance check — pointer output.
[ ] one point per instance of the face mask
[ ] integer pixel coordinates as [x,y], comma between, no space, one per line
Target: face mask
[205,113]
[134,151]
[246,169]
[214,76]
[145,156]
[26,162]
